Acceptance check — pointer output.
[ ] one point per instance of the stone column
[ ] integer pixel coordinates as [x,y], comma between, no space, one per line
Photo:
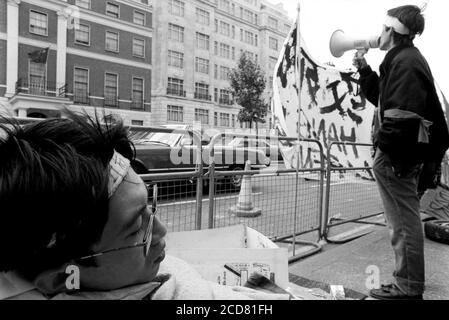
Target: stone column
[61,55]
[12,46]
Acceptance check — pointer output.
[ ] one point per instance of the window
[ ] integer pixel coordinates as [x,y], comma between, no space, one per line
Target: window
[216,95]
[202,65]
[249,37]
[273,43]
[202,91]
[137,122]
[272,63]
[82,34]
[216,25]
[111,90]
[175,113]
[225,97]
[138,47]
[225,5]
[216,48]
[112,10]
[175,32]
[224,73]
[81,85]
[224,120]
[202,16]
[215,118]
[176,59]
[215,72]
[225,51]
[139,18]
[176,87]
[248,15]
[233,120]
[112,41]
[38,23]
[202,41]
[272,23]
[176,7]
[225,29]
[37,74]
[233,53]
[83,3]
[137,94]
[202,116]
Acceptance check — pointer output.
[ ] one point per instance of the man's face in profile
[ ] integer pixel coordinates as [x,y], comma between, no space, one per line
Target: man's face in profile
[126,224]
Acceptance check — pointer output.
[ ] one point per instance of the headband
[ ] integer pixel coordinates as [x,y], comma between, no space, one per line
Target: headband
[118,169]
[398,26]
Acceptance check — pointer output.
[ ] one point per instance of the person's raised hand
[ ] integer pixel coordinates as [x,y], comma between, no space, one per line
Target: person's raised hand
[359,60]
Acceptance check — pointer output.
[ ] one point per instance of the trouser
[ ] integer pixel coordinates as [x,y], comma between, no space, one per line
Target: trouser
[401,206]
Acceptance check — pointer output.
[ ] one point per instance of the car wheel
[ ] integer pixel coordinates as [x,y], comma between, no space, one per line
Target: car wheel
[236,180]
[437,230]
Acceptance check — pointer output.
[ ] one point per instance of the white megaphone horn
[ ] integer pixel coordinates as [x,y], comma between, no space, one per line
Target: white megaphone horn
[340,43]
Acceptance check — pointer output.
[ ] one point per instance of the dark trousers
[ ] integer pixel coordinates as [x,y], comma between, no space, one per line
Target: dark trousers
[401,204]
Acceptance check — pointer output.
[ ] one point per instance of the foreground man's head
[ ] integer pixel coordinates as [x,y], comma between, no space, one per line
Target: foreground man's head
[61,199]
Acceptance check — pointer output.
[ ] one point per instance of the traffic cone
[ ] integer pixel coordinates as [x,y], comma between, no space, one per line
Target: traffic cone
[244,207]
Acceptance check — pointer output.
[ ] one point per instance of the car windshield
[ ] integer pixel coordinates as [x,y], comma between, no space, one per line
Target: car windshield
[166,138]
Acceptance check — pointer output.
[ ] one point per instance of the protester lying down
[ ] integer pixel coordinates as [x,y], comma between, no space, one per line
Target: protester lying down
[72,206]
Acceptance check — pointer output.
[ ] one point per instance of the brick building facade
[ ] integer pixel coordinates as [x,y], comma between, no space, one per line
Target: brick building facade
[99,55]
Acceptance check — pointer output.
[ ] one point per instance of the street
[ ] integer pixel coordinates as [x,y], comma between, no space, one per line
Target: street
[350,198]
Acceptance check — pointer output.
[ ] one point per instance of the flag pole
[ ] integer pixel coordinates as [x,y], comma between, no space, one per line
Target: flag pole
[298,67]
[299,153]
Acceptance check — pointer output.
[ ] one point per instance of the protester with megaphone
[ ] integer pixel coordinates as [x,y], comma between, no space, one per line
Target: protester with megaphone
[410,130]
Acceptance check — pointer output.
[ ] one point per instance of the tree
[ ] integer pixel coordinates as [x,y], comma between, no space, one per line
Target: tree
[247,85]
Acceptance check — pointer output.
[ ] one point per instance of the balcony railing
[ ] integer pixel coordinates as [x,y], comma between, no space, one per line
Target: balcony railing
[176,92]
[111,101]
[81,97]
[40,88]
[202,96]
[226,101]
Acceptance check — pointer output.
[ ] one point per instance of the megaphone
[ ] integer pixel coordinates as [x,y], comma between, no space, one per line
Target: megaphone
[340,43]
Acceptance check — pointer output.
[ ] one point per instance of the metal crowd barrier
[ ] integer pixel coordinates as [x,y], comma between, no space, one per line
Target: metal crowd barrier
[290,208]
[357,186]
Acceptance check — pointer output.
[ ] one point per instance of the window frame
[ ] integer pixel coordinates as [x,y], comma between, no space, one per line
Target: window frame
[88,79]
[144,17]
[30,26]
[144,48]
[117,86]
[81,43]
[113,4]
[88,1]
[106,39]
[143,90]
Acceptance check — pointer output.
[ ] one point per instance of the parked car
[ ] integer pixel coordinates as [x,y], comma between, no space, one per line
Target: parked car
[172,148]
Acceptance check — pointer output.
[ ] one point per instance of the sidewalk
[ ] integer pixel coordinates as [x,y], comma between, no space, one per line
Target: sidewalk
[346,265]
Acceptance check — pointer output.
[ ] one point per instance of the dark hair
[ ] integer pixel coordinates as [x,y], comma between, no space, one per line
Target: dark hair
[54,189]
[410,16]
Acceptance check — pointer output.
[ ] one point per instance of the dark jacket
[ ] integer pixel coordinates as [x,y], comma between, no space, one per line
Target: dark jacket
[406,86]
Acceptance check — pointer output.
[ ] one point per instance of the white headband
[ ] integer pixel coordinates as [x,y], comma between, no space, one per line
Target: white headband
[398,26]
[118,169]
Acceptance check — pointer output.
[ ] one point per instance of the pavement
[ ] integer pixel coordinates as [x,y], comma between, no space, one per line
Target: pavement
[351,264]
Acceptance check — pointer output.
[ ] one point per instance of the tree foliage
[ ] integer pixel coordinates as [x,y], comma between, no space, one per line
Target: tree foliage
[247,85]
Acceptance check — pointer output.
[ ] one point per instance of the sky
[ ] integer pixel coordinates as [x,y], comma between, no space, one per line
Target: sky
[364,18]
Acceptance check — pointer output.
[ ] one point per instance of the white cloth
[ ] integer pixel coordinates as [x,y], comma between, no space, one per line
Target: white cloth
[184,283]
